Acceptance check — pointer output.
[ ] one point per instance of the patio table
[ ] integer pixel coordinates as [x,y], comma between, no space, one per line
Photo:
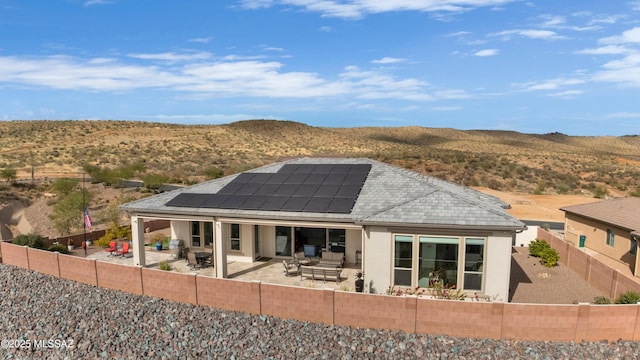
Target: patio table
[202,257]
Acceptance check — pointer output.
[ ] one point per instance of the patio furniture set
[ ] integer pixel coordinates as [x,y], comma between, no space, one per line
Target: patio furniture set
[197,259]
[119,250]
[329,267]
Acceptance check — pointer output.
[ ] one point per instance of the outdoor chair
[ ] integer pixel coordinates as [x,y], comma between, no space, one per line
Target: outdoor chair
[289,269]
[124,251]
[112,248]
[192,261]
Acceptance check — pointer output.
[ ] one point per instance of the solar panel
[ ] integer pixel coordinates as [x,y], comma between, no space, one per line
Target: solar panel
[255,202]
[274,203]
[215,201]
[286,190]
[341,205]
[306,190]
[330,188]
[355,179]
[296,179]
[179,199]
[231,188]
[234,201]
[334,179]
[316,179]
[247,189]
[327,190]
[318,204]
[243,178]
[267,189]
[295,203]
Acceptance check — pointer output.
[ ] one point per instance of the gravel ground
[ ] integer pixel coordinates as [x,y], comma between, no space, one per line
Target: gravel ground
[100,323]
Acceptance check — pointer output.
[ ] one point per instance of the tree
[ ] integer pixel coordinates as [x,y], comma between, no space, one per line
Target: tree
[9,174]
[154,181]
[68,213]
[64,186]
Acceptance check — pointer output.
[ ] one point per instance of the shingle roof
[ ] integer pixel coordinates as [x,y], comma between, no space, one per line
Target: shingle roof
[390,195]
[620,212]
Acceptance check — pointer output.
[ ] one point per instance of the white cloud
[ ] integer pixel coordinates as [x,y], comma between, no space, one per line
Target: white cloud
[203,40]
[605,50]
[355,9]
[388,60]
[629,36]
[172,57]
[325,29]
[625,71]
[635,5]
[569,94]
[487,52]
[529,33]
[96,2]
[552,84]
[623,115]
[446,108]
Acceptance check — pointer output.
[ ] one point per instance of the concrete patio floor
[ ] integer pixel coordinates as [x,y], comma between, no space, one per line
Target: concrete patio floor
[266,270]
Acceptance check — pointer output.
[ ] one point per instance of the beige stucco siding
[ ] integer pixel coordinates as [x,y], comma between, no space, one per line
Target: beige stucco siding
[498,266]
[377,259]
[596,237]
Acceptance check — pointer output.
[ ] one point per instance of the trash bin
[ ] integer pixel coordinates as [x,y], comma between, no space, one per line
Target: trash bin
[583,238]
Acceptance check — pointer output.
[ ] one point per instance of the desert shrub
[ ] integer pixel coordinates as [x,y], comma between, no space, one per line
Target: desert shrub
[537,246]
[113,233]
[549,257]
[31,240]
[59,248]
[601,191]
[160,238]
[628,297]
[164,265]
[601,300]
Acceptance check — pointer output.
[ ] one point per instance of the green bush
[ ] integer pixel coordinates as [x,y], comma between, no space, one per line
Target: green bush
[549,257]
[31,240]
[59,248]
[601,300]
[628,297]
[537,246]
[164,265]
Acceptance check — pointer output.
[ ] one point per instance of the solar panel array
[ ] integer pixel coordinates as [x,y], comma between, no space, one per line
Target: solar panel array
[323,188]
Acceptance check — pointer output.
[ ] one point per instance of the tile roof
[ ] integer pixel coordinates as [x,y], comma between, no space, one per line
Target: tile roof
[389,196]
[620,212]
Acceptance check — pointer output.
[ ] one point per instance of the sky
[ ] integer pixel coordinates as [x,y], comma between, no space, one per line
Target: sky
[539,66]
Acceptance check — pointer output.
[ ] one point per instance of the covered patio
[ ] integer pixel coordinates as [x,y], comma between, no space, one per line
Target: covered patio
[267,270]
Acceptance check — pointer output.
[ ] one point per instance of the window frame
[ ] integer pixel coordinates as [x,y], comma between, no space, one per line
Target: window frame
[611,238]
[196,225]
[235,240]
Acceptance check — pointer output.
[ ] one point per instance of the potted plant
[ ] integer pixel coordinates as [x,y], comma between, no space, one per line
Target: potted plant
[70,246]
[158,239]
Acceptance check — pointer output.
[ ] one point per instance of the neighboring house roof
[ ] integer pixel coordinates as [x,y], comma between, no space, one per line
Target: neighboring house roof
[389,196]
[620,212]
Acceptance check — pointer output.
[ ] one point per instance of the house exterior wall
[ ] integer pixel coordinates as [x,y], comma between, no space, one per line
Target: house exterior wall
[376,258]
[181,230]
[596,238]
[246,244]
[268,240]
[353,243]
[497,267]
[525,237]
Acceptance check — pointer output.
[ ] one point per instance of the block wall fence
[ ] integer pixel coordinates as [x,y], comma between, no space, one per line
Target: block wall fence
[495,320]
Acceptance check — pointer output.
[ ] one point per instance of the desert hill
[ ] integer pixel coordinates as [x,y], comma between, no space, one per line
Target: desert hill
[500,160]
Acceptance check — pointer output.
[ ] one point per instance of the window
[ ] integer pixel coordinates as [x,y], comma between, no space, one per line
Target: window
[234,236]
[473,263]
[610,237]
[195,233]
[403,260]
[438,261]
[634,246]
[337,240]
[208,234]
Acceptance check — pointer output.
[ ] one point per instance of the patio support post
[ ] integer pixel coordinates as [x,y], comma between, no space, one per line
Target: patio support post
[221,251]
[137,239]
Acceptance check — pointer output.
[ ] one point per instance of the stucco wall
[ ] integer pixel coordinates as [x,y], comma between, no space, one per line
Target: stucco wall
[497,266]
[596,237]
[527,236]
[353,243]
[181,230]
[376,257]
